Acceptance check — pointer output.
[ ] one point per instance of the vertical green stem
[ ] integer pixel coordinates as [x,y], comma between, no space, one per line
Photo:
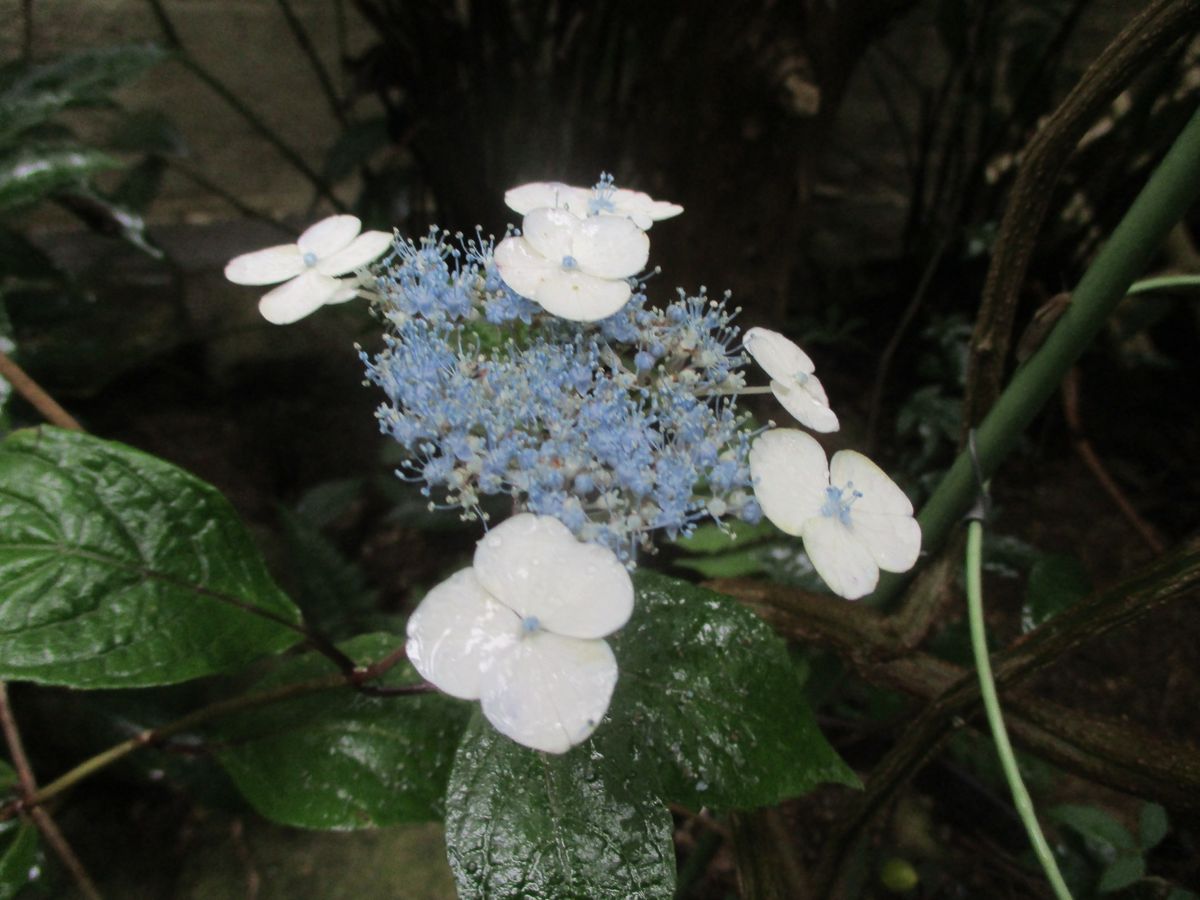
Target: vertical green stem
[1172,188]
[991,705]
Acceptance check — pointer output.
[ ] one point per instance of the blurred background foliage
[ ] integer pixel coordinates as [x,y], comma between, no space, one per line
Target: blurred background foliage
[844,166]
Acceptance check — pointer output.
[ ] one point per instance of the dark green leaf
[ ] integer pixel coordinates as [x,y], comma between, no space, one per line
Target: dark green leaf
[147,131]
[86,77]
[1152,826]
[1121,873]
[107,216]
[18,114]
[20,258]
[325,502]
[119,570]
[715,539]
[716,701]
[735,564]
[140,185]
[18,860]
[329,588]
[1056,582]
[526,824]
[1095,825]
[341,759]
[33,173]
[355,147]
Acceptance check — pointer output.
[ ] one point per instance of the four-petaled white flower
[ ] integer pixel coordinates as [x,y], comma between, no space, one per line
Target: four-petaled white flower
[603,199]
[521,632]
[792,380]
[310,267]
[853,519]
[573,268]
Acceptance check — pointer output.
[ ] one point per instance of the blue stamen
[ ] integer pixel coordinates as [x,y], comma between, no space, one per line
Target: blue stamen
[530,624]
[568,262]
[838,502]
[310,259]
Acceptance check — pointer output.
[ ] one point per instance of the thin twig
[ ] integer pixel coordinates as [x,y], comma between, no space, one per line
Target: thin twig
[28,790]
[300,33]
[38,398]
[219,709]
[212,187]
[237,105]
[1070,402]
[898,333]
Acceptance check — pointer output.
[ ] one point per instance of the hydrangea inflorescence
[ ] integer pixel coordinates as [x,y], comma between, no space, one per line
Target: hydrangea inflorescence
[536,368]
[619,428]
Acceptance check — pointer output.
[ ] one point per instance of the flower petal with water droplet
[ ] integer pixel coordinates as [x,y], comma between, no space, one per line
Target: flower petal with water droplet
[456,632]
[550,692]
[536,567]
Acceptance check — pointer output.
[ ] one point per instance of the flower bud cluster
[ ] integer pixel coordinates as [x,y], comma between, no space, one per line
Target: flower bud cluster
[619,428]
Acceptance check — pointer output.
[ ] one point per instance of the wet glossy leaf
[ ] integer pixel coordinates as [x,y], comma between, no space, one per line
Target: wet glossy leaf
[33,173]
[341,759]
[526,824]
[713,694]
[120,570]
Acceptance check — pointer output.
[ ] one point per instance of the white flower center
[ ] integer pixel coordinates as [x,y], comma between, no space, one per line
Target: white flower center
[838,502]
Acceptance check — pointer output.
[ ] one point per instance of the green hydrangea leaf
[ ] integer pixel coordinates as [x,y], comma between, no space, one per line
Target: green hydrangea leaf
[340,759]
[717,701]
[118,569]
[525,824]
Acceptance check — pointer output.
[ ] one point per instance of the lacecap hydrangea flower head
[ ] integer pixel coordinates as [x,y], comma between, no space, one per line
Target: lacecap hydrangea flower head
[537,369]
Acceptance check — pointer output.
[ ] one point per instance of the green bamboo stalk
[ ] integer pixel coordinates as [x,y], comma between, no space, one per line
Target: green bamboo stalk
[1168,194]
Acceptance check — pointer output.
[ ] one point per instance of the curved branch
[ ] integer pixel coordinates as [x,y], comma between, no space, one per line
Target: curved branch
[1148,36]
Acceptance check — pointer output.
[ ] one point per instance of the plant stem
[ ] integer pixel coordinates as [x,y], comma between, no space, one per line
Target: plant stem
[1168,194]
[38,398]
[991,706]
[156,735]
[28,785]
[216,710]
[1165,283]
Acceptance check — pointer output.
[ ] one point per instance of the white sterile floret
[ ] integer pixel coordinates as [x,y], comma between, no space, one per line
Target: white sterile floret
[853,519]
[573,268]
[521,632]
[792,380]
[310,268]
[603,199]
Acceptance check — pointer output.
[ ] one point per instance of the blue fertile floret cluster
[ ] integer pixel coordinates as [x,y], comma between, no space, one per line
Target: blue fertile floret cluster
[621,428]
